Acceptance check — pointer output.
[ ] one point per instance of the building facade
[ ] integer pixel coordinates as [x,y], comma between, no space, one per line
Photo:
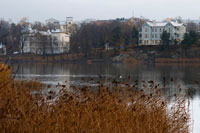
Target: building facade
[151,32]
[43,43]
[2,49]
[46,43]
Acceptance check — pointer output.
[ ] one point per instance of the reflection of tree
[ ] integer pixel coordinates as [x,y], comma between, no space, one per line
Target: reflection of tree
[174,75]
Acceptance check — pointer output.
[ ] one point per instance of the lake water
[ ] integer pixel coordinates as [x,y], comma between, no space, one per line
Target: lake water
[187,76]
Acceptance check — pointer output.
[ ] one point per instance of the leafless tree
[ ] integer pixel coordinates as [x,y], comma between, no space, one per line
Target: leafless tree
[191,26]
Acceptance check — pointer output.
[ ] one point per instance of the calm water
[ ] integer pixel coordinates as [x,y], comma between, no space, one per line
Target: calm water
[52,73]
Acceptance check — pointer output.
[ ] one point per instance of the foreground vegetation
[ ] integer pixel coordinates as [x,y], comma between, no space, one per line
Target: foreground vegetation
[117,107]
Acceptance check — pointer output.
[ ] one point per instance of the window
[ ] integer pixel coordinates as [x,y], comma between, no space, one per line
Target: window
[168,29]
[155,30]
[160,29]
[153,35]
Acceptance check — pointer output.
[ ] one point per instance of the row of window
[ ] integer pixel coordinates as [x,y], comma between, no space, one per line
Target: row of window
[160,29]
[153,35]
[152,42]
[157,30]
[157,35]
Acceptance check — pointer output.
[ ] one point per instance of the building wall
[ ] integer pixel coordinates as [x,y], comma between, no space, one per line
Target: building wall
[63,39]
[151,35]
[56,43]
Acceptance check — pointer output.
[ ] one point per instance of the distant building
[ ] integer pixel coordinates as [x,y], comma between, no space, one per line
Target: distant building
[151,32]
[2,49]
[86,21]
[52,21]
[108,47]
[42,43]
[69,20]
[50,42]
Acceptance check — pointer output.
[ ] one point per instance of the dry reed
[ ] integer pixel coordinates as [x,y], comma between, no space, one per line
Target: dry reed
[118,107]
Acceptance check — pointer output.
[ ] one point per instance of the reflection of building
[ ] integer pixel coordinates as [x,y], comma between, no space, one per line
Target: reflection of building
[50,74]
[152,31]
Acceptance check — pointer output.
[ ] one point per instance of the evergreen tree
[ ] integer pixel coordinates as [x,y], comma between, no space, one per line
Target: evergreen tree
[190,38]
[165,38]
[135,35]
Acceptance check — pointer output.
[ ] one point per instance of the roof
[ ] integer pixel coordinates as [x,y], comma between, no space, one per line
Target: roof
[161,24]
[156,24]
[52,20]
[176,24]
[56,31]
[44,33]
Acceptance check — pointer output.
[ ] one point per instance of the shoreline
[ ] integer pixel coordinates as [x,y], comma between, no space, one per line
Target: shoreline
[63,59]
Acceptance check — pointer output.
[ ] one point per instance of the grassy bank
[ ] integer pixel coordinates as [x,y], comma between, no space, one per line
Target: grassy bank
[117,107]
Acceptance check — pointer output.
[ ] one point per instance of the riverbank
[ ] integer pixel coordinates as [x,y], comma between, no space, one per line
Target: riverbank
[135,55]
[160,54]
[93,57]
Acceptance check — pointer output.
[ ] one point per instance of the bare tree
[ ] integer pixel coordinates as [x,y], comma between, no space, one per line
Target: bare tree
[191,26]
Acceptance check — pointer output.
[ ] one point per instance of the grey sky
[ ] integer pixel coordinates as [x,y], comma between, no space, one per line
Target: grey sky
[98,9]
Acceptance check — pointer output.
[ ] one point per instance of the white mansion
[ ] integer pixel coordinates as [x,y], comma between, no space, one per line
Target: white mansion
[47,42]
[151,32]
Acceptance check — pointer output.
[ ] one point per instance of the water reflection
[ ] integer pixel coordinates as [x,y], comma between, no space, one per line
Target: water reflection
[51,73]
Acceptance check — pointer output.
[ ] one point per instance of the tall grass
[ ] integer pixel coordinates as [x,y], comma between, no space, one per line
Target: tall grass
[118,107]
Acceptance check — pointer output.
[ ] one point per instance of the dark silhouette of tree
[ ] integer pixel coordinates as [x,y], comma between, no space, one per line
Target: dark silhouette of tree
[135,35]
[39,26]
[190,38]
[165,38]
[96,35]
[175,42]
[10,35]
[116,35]
[191,26]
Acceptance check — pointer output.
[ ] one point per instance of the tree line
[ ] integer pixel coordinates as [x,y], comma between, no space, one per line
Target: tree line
[11,34]
[88,37]
[115,33]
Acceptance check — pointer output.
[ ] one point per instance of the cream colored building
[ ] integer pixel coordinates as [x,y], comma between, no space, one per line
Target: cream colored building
[50,42]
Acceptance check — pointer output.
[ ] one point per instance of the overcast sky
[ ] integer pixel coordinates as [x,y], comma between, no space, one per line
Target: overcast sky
[98,9]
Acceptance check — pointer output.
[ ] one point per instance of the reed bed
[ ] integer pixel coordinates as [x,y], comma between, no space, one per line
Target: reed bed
[117,107]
